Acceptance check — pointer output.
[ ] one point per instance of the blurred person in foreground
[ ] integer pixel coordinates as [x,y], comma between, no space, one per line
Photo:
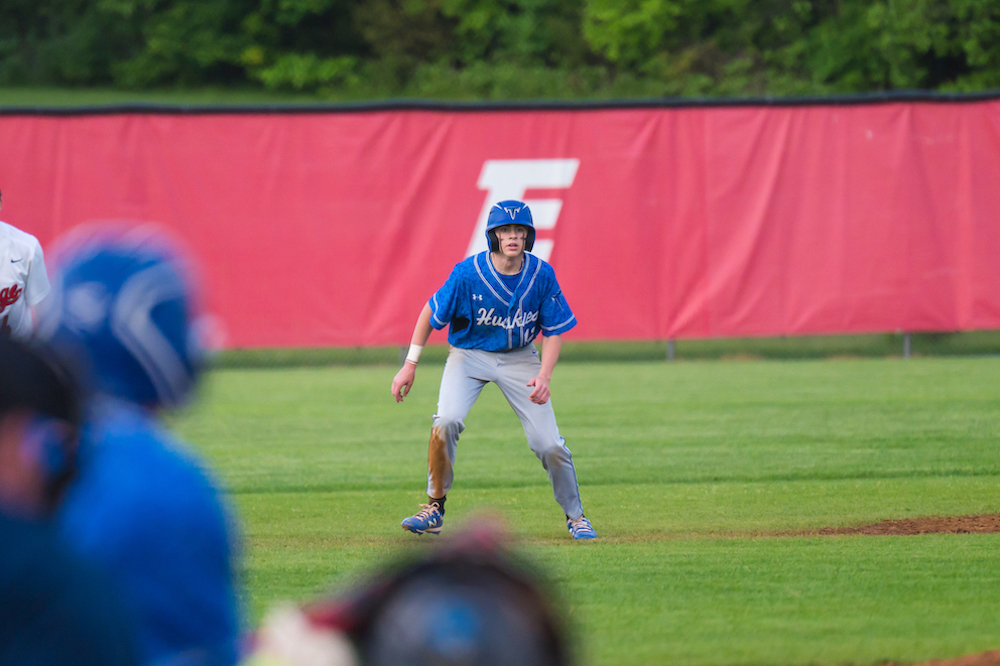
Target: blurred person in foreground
[124,307]
[23,280]
[53,608]
[472,600]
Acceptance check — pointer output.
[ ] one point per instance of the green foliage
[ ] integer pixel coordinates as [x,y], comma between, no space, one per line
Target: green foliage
[631,32]
[70,42]
[526,32]
[186,42]
[506,49]
[307,72]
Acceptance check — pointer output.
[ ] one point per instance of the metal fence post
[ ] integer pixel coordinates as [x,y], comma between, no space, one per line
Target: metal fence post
[670,350]
[906,345]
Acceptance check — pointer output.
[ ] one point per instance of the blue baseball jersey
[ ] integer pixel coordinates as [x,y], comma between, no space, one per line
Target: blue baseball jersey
[145,512]
[493,312]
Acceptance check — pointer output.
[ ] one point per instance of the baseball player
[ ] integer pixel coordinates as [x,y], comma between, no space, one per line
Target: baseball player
[495,304]
[142,508]
[23,280]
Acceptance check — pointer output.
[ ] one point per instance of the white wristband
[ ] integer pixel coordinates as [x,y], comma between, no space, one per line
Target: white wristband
[414,354]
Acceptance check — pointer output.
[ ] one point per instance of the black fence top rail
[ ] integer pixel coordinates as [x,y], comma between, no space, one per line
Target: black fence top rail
[890,97]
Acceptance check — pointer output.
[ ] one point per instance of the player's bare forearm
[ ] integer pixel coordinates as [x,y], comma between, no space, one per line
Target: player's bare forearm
[551,346]
[403,381]
[422,331]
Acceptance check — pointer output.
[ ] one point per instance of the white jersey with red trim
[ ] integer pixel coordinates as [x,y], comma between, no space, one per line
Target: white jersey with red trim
[24,281]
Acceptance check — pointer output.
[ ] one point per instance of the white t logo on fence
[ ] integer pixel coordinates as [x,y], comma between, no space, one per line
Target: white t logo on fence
[510,179]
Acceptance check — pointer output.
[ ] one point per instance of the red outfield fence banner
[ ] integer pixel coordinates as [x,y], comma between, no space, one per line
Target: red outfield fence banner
[332,227]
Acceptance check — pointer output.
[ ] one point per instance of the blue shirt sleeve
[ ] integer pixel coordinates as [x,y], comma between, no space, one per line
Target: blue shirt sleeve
[555,315]
[445,300]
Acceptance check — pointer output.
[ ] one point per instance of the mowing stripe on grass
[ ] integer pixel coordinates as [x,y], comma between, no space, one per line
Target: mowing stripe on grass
[682,467]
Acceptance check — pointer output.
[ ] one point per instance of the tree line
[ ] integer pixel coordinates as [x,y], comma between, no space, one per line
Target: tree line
[506,49]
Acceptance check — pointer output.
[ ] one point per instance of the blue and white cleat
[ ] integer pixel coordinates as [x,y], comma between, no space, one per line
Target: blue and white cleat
[581,528]
[428,519]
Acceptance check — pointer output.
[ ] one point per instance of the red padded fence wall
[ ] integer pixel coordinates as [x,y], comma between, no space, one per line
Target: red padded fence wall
[332,228]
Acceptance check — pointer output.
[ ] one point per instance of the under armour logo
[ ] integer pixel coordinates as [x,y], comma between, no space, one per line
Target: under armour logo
[477,297]
[513,211]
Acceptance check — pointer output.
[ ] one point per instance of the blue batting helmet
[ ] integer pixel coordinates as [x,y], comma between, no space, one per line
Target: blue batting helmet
[510,211]
[123,305]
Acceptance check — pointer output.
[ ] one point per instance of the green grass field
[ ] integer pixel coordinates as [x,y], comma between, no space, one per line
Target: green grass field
[689,470]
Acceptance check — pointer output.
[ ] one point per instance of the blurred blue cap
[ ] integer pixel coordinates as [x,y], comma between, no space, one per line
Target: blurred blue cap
[124,306]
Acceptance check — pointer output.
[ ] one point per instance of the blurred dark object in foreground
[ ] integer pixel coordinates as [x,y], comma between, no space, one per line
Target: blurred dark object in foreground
[469,601]
[54,608]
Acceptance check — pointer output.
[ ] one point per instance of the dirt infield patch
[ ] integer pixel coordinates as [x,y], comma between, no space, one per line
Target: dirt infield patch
[984,524]
[991,658]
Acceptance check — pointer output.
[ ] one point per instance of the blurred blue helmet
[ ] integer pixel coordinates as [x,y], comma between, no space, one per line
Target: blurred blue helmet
[124,307]
[510,211]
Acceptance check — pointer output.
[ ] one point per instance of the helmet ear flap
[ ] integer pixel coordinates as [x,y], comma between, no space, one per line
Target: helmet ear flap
[494,241]
[529,241]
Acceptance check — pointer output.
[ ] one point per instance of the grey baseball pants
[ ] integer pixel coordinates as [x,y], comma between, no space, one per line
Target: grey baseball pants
[465,374]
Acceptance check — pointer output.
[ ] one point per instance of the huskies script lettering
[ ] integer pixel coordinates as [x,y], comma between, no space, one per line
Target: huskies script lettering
[9,296]
[519,320]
